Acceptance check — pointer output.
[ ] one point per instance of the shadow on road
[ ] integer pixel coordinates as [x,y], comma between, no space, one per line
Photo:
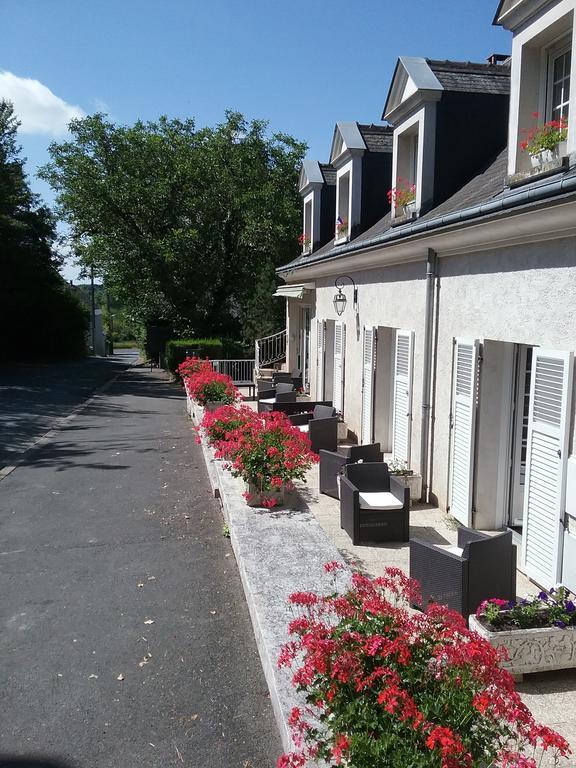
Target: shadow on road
[32,762]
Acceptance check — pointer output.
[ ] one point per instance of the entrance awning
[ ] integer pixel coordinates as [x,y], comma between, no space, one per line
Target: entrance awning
[291,291]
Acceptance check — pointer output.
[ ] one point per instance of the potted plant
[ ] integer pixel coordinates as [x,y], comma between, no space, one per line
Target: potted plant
[410,479]
[305,241]
[211,389]
[264,449]
[402,198]
[538,633]
[341,227]
[385,686]
[545,143]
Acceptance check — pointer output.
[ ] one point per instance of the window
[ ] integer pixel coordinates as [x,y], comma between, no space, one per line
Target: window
[307,233]
[343,211]
[559,83]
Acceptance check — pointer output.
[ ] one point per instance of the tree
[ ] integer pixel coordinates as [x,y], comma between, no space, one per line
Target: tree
[39,315]
[184,225]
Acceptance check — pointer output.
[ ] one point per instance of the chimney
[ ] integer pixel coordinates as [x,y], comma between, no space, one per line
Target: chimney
[497,58]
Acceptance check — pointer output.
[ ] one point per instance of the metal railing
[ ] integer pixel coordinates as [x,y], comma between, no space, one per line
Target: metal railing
[270,350]
[240,371]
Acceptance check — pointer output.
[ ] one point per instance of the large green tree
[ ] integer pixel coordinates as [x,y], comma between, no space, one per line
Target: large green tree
[39,314]
[184,224]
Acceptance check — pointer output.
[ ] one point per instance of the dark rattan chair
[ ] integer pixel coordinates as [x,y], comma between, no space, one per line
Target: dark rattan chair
[461,577]
[283,392]
[331,464]
[374,505]
[293,377]
[321,426]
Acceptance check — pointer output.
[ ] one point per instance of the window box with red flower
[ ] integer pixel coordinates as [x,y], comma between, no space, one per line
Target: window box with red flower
[306,242]
[546,144]
[402,199]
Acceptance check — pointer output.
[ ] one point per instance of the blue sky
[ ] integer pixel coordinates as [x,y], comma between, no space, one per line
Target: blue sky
[302,65]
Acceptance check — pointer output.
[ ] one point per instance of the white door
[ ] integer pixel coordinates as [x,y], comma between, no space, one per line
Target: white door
[463,428]
[338,379]
[320,349]
[402,396]
[368,374]
[544,496]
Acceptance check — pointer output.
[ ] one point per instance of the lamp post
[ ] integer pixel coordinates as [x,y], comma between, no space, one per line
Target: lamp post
[340,300]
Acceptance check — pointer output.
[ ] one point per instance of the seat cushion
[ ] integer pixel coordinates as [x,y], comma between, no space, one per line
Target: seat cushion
[303,428]
[454,550]
[267,400]
[376,500]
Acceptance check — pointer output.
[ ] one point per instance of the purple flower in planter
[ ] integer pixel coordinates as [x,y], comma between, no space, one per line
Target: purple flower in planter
[543,596]
[511,604]
[560,624]
[570,607]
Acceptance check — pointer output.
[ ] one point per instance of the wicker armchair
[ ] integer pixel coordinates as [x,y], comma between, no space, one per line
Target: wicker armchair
[374,505]
[282,393]
[331,464]
[321,426]
[293,377]
[461,577]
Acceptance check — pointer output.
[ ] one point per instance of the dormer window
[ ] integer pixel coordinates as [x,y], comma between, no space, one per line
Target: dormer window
[541,93]
[343,207]
[306,237]
[403,196]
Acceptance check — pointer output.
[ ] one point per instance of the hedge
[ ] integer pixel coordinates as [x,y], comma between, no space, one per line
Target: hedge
[214,349]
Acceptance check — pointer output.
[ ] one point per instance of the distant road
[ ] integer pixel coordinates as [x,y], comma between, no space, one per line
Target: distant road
[34,396]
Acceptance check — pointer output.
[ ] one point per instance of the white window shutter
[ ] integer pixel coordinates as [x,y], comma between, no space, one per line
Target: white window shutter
[463,425]
[547,453]
[402,396]
[368,371]
[320,350]
[338,380]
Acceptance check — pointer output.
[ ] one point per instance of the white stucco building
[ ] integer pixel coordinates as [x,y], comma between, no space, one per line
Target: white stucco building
[458,354]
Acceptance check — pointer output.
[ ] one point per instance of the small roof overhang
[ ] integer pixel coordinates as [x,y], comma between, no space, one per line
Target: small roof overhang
[293,291]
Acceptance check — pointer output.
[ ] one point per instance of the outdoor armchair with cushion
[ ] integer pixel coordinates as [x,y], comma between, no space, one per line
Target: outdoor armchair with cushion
[321,426]
[292,377]
[280,393]
[374,505]
[461,577]
[332,462]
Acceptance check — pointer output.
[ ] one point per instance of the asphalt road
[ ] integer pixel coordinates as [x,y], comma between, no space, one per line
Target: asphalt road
[34,396]
[125,639]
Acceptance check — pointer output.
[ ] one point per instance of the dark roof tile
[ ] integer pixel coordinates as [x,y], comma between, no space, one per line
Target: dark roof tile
[378,138]
[470,77]
[328,172]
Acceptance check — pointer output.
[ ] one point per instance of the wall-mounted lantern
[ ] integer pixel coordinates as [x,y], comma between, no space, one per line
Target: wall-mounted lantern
[340,298]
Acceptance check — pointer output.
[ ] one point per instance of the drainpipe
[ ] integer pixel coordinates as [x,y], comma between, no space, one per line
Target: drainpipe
[431,273]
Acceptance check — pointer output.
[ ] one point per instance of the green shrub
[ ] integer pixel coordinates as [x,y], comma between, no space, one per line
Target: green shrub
[178,349]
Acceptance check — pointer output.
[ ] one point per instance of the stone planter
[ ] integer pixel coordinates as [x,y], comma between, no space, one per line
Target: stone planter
[532,650]
[342,434]
[256,496]
[213,405]
[414,482]
[410,209]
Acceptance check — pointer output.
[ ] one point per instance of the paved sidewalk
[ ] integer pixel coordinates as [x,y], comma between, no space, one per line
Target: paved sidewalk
[126,641]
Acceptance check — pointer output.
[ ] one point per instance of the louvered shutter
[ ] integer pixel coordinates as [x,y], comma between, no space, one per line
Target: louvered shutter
[463,424]
[320,350]
[548,427]
[402,396]
[338,380]
[368,370]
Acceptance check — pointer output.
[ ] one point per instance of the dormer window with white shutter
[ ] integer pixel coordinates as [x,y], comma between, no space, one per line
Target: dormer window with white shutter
[348,149]
[342,229]
[317,191]
[307,234]
[541,134]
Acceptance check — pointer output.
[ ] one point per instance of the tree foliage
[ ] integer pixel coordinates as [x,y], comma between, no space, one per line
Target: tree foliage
[184,225]
[39,315]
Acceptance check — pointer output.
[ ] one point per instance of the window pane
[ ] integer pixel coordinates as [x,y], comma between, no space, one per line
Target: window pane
[558,68]
[557,95]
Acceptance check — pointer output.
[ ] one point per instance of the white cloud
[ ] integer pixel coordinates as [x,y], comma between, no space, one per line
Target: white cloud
[38,109]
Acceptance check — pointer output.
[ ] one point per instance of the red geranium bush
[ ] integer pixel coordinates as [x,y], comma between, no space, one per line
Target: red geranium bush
[386,686]
[264,449]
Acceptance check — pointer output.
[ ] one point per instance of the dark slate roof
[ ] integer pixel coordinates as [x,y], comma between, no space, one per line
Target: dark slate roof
[487,186]
[378,138]
[329,173]
[471,77]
